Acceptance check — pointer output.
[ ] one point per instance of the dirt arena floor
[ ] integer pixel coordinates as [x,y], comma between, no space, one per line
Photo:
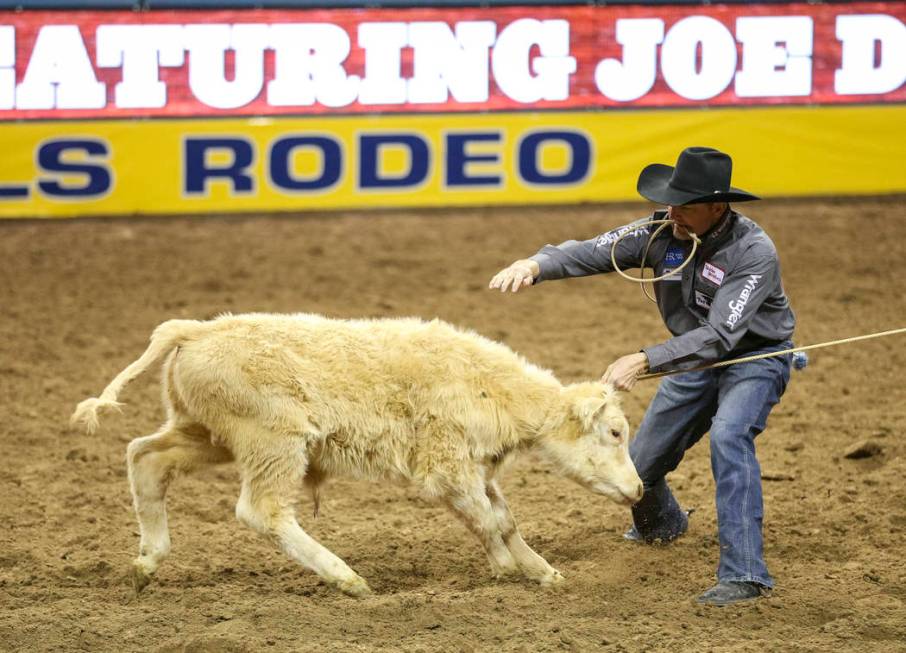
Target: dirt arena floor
[79,299]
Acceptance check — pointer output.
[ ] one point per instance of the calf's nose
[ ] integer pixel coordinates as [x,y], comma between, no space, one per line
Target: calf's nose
[639,491]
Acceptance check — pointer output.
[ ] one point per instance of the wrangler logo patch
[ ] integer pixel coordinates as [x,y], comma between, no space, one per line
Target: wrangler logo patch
[736,306]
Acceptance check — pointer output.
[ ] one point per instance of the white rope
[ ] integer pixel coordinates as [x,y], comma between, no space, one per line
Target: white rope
[645,259]
[880,334]
[613,258]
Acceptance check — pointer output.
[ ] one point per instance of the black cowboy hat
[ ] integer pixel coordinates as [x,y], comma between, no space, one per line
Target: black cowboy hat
[702,174]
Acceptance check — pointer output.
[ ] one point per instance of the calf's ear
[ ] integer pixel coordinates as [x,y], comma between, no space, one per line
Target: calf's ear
[587,409]
[612,396]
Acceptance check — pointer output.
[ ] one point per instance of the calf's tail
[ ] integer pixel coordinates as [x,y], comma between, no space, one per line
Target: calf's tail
[164,339]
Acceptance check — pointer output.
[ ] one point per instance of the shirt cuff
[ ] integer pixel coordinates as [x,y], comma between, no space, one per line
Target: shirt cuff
[658,356]
[544,265]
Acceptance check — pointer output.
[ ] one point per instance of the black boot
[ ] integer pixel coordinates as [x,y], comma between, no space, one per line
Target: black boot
[657,517]
[727,592]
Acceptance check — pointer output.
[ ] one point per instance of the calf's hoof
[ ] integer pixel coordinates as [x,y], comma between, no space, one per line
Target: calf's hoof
[505,573]
[551,579]
[504,576]
[140,577]
[355,587]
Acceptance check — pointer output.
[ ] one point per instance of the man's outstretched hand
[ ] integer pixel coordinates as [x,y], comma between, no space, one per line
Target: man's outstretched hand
[625,371]
[517,275]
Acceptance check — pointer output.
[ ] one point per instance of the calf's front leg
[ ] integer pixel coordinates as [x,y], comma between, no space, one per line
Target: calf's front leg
[530,563]
[472,505]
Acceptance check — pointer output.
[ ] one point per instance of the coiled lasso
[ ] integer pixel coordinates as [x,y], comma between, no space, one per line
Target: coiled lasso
[642,280]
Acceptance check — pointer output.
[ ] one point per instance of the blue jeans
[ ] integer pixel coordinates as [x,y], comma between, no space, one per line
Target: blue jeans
[733,403]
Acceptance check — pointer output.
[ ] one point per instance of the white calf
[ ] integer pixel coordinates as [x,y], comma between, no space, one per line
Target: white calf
[296,399]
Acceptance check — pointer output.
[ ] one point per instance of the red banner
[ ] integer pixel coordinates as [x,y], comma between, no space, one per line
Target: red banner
[79,64]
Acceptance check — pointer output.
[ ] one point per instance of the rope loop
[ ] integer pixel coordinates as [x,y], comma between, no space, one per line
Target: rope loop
[613,248]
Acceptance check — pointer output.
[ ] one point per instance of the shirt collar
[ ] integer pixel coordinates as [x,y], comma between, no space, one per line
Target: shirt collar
[719,228]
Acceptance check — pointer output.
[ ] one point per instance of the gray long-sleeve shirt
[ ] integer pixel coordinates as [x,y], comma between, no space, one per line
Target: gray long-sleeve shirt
[729,300]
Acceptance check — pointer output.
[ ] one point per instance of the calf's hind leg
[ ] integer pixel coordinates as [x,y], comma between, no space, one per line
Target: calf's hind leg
[153,461]
[272,475]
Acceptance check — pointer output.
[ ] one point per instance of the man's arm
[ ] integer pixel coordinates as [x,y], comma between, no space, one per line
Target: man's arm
[582,258]
[575,259]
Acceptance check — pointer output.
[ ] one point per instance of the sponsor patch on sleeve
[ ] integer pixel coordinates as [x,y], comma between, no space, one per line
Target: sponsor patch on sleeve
[612,236]
[713,273]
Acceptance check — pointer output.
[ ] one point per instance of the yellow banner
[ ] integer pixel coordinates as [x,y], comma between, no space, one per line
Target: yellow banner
[66,169]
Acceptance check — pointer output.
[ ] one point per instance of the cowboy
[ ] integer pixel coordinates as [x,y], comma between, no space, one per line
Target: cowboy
[727,303]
